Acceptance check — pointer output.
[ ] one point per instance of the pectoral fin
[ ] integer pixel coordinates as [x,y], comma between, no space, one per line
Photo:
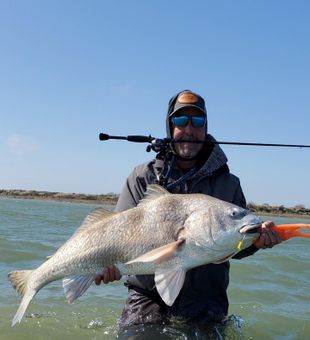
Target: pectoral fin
[169,284]
[160,254]
[76,286]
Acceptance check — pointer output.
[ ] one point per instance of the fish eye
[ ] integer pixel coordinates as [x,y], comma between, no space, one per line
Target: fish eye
[237,213]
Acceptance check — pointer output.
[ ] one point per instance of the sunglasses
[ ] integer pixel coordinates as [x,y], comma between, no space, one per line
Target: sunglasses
[196,121]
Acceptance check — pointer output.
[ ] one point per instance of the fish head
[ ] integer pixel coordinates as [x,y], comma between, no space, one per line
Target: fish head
[238,228]
[223,228]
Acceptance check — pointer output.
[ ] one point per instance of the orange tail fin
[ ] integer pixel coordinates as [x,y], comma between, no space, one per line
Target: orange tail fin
[286,231]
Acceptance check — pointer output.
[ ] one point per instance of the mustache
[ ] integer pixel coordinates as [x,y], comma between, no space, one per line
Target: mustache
[188,139]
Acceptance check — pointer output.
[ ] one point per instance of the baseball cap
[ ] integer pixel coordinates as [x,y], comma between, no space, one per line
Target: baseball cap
[187,98]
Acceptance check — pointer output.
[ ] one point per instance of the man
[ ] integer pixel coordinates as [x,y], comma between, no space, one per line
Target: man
[185,168]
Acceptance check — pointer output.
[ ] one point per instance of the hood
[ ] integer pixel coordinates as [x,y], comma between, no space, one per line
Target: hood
[170,106]
[217,159]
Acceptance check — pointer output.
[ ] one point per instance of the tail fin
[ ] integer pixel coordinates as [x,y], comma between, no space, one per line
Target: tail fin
[19,280]
[287,231]
[22,308]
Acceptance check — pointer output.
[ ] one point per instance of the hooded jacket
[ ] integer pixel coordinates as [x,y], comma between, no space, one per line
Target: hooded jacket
[203,296]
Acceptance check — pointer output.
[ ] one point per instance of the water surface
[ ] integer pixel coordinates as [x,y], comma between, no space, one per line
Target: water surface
[269,292]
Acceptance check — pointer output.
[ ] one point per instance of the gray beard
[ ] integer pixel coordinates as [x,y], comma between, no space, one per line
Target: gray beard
[188,150]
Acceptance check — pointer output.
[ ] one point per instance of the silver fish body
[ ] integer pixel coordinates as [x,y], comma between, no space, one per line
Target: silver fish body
[166,235]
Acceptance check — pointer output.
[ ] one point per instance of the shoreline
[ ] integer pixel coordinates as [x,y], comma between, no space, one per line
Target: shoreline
[111,199]
[60,196]
[306,216]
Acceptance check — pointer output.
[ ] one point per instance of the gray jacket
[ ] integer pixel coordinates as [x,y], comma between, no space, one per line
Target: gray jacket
[203,295]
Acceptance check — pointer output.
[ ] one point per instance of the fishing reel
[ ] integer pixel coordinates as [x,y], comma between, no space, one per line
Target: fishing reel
[159,145]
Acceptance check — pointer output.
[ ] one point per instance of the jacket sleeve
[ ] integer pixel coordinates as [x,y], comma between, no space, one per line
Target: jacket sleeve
[132,192]
[239,199]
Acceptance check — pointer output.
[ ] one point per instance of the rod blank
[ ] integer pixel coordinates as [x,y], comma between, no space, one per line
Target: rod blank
[150,139]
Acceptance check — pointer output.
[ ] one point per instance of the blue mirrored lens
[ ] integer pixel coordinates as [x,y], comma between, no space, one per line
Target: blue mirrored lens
[197,121]
[180,120]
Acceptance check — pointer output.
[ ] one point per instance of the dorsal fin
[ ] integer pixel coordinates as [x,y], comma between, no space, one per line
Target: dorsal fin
[153,191]
[96,215]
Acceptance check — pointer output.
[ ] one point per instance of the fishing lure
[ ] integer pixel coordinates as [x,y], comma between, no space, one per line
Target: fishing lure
[287,231]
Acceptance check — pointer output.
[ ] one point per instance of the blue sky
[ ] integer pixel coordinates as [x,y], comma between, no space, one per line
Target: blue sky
[72,69]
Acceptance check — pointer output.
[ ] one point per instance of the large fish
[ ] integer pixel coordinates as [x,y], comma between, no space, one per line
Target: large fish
[166,235]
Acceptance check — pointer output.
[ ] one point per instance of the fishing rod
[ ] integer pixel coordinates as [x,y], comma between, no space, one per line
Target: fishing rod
[158,144]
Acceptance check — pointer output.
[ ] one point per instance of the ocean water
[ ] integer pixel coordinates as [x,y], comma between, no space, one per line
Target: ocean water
[269,292]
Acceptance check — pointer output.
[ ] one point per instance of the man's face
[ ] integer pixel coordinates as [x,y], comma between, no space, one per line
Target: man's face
[188,133]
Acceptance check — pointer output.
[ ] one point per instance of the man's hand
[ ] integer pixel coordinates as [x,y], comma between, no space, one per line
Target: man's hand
[109,274]
[268,237]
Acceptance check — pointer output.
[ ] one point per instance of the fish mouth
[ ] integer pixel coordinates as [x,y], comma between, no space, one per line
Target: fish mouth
[250,229]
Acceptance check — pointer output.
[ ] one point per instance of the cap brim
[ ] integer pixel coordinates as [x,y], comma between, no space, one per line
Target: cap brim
[188,105]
